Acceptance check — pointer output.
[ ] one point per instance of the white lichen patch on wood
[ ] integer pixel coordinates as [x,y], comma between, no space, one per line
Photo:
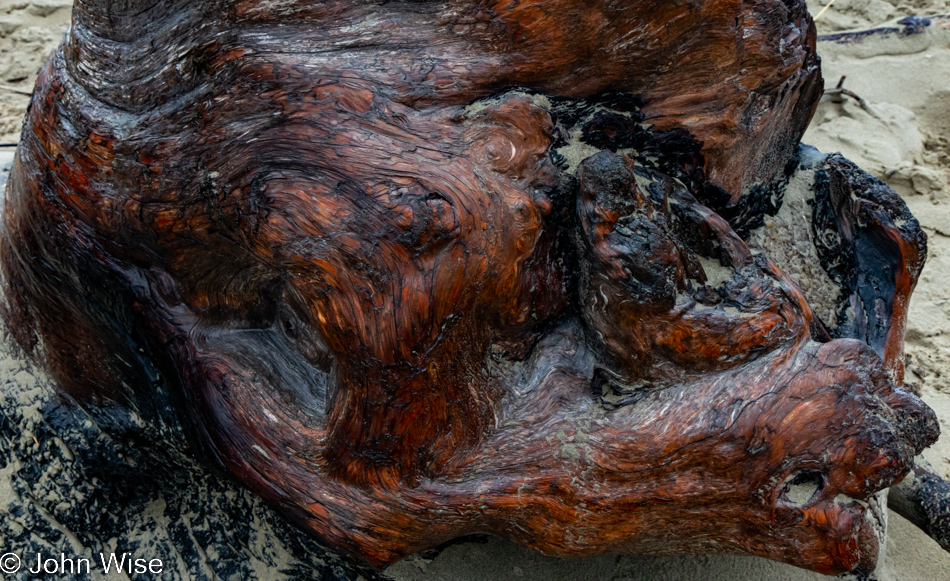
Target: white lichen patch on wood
[576,151]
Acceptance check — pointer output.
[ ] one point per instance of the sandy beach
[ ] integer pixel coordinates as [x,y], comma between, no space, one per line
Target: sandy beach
[899,131]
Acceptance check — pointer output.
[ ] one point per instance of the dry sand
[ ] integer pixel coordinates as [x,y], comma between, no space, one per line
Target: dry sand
[902,138]
[29,31]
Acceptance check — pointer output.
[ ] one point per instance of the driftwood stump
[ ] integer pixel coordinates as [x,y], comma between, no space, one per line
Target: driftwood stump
[550,270]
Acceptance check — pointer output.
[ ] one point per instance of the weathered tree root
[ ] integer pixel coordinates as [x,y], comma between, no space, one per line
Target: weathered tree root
[923,498]
[405,304]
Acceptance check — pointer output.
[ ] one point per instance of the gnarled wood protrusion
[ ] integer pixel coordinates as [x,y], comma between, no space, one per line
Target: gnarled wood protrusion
[404,302]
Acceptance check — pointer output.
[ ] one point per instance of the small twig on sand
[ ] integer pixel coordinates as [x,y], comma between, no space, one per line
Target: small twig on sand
[16,90]
[839,93]
[823,10]
[9,144]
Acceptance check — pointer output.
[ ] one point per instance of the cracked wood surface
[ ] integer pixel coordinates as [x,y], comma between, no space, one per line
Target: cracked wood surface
[405,303]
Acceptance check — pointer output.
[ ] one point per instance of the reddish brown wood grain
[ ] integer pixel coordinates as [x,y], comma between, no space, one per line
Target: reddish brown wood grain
[413,270]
